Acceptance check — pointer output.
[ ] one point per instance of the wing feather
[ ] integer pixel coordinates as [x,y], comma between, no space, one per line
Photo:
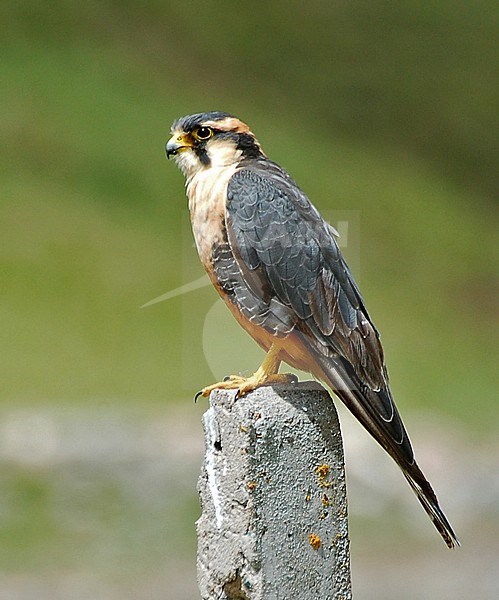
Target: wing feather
[293,253]
[288,260]
[296,254]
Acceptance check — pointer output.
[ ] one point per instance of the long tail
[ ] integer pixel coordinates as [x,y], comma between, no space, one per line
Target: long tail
[379,415]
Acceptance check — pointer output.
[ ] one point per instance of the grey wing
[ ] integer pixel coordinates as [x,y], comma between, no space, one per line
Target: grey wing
[286,254]
[254,300]
[286,251]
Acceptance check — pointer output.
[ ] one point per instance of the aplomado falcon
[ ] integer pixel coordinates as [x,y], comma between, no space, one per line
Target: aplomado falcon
[276,264]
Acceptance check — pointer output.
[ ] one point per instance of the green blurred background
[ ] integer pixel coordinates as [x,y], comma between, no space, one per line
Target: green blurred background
[386,115]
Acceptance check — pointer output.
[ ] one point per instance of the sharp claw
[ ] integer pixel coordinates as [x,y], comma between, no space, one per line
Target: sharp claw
[227,378]
[200,393]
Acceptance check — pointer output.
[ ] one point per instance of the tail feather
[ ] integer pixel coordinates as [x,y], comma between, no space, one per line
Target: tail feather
[365,403]
[429,501]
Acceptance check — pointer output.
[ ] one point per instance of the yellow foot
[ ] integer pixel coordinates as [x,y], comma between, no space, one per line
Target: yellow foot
[243,385]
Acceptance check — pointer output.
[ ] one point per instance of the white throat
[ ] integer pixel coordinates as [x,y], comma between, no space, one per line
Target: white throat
[188,163]
[220,152]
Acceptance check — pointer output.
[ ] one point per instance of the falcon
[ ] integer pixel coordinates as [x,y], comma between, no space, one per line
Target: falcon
[276,263]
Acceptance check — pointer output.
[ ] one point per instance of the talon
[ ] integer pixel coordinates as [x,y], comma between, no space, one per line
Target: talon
[266,374]
[200,393]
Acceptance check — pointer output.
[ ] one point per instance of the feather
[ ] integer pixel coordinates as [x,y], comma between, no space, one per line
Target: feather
[276,233]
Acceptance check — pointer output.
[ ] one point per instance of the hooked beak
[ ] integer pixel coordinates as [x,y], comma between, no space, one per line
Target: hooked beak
[176,144]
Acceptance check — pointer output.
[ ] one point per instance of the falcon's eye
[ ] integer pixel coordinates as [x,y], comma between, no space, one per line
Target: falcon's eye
[203,133]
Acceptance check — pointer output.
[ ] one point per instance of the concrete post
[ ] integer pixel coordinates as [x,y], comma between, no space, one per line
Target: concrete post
[273,496]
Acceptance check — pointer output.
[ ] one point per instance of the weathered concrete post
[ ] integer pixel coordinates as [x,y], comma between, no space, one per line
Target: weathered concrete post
[273,496]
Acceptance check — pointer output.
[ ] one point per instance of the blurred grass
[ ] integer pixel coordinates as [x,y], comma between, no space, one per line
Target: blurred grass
[94,491]
[97,517]
[387,110]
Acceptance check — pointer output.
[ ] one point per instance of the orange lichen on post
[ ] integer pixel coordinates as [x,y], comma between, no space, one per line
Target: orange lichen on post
[315,541]
[322,473]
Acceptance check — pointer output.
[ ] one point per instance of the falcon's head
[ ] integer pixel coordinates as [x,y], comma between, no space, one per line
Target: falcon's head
[211,139]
